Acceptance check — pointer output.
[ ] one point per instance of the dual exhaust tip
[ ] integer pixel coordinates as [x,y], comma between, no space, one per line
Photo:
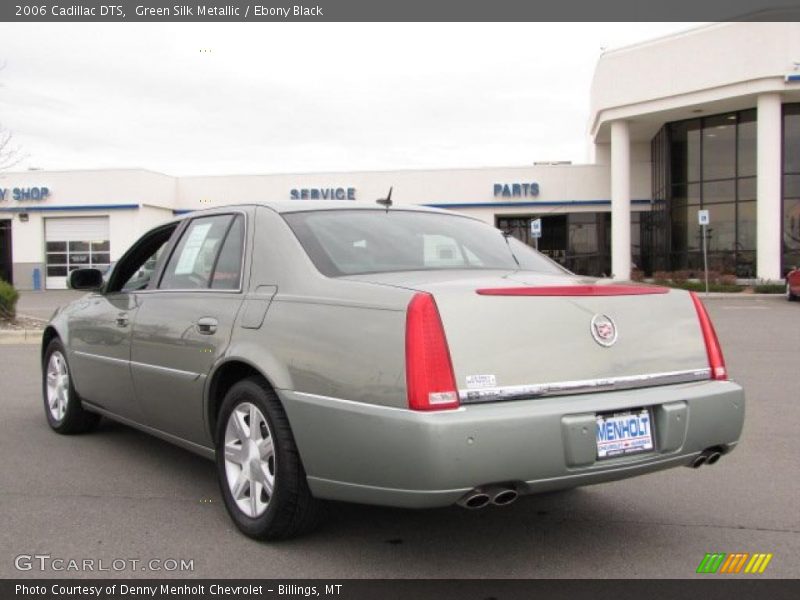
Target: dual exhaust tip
[707,457]
[482,497]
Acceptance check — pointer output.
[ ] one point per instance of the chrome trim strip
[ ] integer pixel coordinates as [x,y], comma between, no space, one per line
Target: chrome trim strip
[179,372]
[364,405]
[561,388]
[133,363]
[118,361]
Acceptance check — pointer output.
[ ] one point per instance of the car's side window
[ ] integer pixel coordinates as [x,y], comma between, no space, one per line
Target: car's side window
[142,276]
[191,265]
[138,265]
[228,270]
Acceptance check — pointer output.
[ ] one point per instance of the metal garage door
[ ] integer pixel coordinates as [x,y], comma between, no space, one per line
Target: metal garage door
[72,243]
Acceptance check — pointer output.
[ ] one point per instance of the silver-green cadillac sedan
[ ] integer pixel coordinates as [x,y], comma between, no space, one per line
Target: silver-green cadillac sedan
[397,356]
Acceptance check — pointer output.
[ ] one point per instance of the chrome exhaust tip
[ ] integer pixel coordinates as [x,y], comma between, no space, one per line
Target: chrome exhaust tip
[713,457]
[699,461]
[474,500]
[505,497]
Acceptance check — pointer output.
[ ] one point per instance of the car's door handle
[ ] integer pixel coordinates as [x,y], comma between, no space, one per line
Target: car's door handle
[122,320]
[207,325]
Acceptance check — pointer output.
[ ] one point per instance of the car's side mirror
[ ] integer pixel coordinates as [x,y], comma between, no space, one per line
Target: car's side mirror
[85,279]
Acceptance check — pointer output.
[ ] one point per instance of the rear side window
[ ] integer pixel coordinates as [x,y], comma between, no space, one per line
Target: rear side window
[228,272]
[193,262]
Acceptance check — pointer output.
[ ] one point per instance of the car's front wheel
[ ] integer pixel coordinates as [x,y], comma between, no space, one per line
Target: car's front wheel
[789,295]
[260,473]
[62,405]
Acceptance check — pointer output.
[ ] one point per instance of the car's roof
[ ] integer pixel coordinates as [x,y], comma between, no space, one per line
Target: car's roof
[290,206]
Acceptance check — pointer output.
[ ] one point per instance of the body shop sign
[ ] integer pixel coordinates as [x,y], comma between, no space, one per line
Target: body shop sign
[24,193]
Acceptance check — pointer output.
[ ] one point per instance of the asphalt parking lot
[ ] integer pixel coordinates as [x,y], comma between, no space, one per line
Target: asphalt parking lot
[120,494]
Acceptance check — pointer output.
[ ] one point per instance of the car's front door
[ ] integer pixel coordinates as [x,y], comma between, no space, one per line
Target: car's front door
[101,325]
[184,324]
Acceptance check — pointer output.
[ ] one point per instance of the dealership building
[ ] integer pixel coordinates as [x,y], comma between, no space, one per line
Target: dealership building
[707,119]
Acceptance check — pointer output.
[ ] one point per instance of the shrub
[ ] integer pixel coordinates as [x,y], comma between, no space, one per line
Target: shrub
[768,287]
[713,276]
[637,275]
[8,300]
[727,279]
[680,277]
[662,276]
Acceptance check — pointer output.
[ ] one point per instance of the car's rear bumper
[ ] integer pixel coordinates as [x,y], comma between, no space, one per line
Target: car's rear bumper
[377,455]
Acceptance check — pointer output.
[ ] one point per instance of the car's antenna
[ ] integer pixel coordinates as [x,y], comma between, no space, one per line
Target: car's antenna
[387,202]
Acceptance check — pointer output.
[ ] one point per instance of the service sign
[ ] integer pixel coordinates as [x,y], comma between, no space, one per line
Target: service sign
[703,217]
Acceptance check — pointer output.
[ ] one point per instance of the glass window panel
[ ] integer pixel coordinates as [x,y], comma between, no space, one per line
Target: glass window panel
[103,246]
[582,233]
[719,191]
[747,189]
[56,259]
[791,138]
[685,230]
[73,267]
[101,257]
[229,264]
[722,229]
[747,143]
[791,224]
[56,246]
[791,186]
[685,151]
[747,226]
[190,265]
[719,147]
[79,246]
[81,259]
[683,194]
[56,271]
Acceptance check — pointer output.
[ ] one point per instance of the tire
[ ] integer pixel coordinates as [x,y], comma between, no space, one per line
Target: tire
[263,484]
[62,405]
[789,295]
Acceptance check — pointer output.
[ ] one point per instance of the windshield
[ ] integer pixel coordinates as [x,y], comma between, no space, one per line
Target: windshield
[354,242]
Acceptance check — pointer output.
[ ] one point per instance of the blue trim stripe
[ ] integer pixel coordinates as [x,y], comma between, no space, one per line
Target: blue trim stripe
[530,204]
[47,208]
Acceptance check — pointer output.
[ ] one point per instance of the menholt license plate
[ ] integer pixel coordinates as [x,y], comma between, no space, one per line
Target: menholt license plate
[623,433]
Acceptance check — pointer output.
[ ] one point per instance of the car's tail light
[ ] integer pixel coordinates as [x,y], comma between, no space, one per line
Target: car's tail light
[715,359]
[429,370]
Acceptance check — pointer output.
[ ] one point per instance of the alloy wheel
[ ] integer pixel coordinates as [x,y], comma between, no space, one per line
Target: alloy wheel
[57,386]
[249,459]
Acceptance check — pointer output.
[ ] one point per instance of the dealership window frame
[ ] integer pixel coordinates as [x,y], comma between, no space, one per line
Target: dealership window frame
[790,186]
[665,248]
[67,264]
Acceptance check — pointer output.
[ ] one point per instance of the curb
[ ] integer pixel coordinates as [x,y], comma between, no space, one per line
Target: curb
[21,336]
[726,295]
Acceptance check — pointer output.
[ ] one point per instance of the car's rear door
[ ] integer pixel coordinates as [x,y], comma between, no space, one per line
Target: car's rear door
[184,324]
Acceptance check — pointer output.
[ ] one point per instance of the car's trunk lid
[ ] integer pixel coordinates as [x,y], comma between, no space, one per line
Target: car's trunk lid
[523,334]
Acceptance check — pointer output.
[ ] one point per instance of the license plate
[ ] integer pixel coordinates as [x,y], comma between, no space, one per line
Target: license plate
[623,433]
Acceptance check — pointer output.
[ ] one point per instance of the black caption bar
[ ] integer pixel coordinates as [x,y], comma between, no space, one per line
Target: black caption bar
[405,589]
[400,10]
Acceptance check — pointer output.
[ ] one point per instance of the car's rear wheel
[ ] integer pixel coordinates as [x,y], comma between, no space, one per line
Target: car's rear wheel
[260,473]
[62,405]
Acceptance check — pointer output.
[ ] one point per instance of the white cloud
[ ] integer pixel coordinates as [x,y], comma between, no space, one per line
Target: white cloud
[291,97]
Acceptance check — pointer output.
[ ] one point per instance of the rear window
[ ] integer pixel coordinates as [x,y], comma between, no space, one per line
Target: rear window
[354,242]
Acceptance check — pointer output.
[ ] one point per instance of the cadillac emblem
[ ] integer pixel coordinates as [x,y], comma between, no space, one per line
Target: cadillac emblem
[604,331]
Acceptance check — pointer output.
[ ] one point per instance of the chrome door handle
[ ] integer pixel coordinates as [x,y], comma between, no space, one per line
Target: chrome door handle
[207,325]
[122,320]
